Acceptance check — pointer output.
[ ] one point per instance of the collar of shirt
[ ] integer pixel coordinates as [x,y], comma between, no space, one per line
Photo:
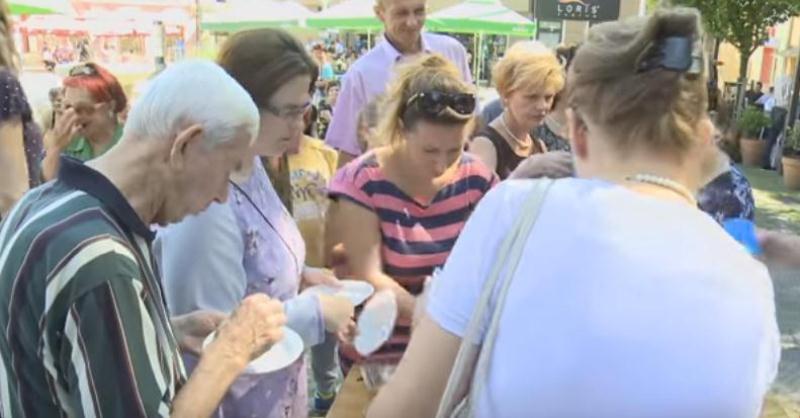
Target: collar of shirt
[79,176]
[81,149]
[395,55]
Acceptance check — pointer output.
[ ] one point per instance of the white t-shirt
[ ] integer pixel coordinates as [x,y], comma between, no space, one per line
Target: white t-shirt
[623,305]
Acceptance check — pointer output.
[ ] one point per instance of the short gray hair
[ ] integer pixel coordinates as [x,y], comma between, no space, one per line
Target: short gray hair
[193,92]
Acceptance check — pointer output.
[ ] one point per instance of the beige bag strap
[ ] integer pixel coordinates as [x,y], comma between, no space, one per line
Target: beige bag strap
[470,368]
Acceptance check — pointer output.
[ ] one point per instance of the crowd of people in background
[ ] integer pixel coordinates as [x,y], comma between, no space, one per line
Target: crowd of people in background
[131,232]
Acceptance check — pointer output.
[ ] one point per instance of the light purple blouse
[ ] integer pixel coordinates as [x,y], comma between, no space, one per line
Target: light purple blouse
[216,258]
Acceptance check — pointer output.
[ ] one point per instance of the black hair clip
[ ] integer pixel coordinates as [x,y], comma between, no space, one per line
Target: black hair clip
[673,53]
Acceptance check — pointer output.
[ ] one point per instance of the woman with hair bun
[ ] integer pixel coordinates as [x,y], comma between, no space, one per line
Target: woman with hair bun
[626,299]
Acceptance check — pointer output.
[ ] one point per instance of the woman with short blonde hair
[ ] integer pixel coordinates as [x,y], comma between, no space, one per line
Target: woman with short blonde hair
[528,78]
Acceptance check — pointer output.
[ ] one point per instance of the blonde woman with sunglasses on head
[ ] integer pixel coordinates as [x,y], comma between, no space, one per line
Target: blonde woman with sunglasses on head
[625,300]
[401,206]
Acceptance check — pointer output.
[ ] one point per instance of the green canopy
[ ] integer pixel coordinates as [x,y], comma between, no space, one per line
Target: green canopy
[39,7]
[355,15]
[481,16]
[244,15]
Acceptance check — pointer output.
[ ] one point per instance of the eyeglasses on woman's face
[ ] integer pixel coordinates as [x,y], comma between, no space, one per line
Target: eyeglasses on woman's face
[288,113]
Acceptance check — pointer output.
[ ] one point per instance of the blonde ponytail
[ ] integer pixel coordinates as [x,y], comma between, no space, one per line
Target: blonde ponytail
[430,72]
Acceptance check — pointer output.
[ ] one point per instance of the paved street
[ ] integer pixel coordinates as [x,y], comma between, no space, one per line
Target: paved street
[777,208]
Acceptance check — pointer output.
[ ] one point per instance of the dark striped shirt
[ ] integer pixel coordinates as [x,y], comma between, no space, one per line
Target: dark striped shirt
[415,238]
[86,332]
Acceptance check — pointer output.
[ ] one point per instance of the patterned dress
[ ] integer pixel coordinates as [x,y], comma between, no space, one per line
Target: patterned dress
[248,245]
[14,104]
[273,260]
[729,196]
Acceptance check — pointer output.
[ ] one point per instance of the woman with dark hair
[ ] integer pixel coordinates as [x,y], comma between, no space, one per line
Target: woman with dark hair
[88,123]
[20,138]
[251,244]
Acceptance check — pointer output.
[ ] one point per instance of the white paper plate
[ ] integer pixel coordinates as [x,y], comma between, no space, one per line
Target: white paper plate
[376,322]
[356,291]
[281,355]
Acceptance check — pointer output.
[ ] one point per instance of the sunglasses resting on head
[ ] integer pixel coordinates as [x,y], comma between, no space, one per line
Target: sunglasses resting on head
[432,103]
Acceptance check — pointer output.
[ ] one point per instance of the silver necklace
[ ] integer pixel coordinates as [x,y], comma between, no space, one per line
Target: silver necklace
[666,184]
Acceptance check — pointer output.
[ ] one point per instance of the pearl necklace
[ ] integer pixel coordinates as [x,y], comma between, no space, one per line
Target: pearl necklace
[665,183]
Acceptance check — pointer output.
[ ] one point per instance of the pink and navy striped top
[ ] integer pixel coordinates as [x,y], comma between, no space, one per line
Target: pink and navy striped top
[415,238]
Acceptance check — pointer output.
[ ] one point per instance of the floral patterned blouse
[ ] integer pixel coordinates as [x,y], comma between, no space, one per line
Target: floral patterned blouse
[729,196]
[248,245]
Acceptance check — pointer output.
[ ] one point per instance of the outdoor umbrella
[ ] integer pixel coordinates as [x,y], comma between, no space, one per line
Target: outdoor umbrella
[481,17]
[243,15]
[39,7]
[354,15]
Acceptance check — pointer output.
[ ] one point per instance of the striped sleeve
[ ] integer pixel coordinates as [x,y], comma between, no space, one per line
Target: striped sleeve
[351,182]
[109,351]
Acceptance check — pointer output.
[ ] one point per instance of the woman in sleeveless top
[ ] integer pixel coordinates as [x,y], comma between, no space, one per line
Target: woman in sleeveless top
[528,78]
[400,207]
[20,138]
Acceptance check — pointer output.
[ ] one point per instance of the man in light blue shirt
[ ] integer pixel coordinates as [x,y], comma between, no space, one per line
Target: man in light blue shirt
[368,77]
[767,101]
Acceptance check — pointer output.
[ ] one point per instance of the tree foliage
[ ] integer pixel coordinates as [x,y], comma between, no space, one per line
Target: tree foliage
[743,23]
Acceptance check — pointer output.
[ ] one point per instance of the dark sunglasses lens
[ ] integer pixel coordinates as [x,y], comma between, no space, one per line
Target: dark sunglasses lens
[464,103]
[432,103]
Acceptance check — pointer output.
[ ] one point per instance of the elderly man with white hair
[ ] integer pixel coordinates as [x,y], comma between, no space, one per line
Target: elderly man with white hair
[87,332]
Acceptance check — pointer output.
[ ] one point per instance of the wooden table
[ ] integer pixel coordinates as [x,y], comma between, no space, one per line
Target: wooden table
[777,406]
[353,398]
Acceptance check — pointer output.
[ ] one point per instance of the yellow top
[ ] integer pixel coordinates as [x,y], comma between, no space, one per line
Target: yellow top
[311,169]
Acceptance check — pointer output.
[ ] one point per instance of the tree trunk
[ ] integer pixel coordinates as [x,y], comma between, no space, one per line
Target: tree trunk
[740,90]
[791,118]
[715,58]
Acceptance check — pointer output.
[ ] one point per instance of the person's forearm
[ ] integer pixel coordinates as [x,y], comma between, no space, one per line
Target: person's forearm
[405,300]
[304,316]
[50,163]
[209,382]
[781,249]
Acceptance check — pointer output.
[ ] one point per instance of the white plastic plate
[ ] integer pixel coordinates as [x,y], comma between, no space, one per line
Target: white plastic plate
[376,322]
[357,291]
[281,355]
